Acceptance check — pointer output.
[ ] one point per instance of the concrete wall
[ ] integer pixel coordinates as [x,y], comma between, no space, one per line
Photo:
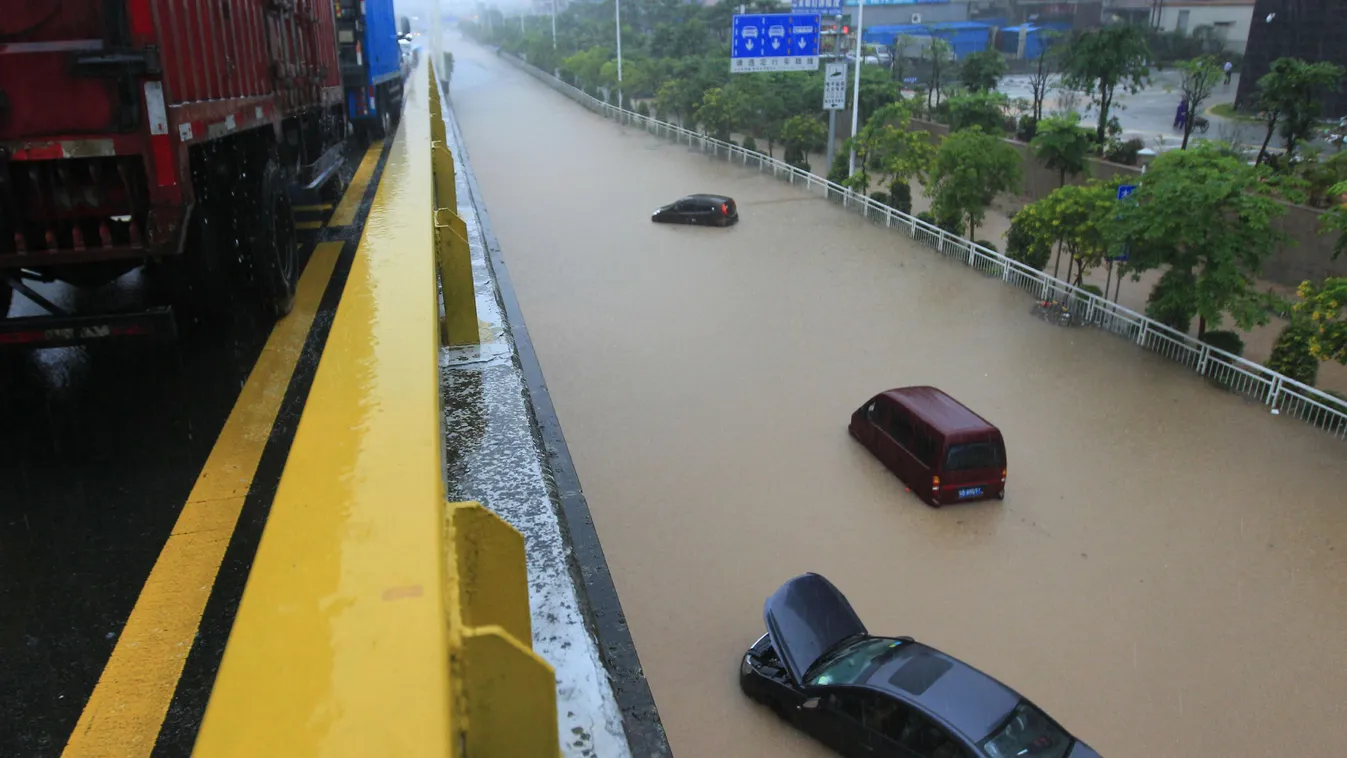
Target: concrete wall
[931,13]
[1309,257]
[1237,15]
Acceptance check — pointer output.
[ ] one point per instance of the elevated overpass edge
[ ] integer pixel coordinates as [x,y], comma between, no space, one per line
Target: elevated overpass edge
[564,549]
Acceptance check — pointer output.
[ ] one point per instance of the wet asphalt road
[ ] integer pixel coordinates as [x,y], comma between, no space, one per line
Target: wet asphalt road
[100,447]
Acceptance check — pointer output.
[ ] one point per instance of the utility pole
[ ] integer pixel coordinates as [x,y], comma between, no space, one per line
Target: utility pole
[617,14]
[856,95]
[554,24]
[832,112]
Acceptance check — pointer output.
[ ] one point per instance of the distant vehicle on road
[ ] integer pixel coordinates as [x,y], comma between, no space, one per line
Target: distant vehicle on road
[707,210]
[891,697]
[942,450]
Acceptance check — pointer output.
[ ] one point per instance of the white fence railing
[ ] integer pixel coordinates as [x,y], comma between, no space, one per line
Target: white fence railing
[1281,393]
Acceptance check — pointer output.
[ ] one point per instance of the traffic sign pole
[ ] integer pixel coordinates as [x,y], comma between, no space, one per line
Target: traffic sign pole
[856,97]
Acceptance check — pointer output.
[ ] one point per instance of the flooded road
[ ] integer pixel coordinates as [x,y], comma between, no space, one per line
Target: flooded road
[1168,573]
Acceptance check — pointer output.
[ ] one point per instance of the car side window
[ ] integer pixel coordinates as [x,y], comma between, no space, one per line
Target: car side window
[900,427]
[886,716]
[873,412]
[927,739]
[682,206]
[844,703]
[925,447]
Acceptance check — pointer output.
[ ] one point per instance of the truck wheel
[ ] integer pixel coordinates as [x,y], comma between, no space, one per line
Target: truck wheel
[6,297]
[385,123]
[271,242]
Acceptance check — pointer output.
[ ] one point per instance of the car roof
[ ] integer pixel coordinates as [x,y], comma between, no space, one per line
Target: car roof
[938,409]
[710,198]
[969,701]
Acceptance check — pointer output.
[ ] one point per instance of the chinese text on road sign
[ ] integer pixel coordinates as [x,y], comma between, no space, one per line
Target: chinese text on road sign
[822,7]
[774,42]
[835,87]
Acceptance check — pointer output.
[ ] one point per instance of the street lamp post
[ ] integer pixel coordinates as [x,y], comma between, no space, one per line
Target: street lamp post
[554,24]
[856,94]
[617,14]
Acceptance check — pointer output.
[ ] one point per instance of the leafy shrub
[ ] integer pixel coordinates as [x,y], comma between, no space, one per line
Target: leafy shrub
[1228,341]
[880,197]
[1291,353]
[642,109]
[750,143]
[1171,300]
[900,196]
[1124,152]
[1093,289]
[927,217]
[989,245]
[1026,128]
[1020,246]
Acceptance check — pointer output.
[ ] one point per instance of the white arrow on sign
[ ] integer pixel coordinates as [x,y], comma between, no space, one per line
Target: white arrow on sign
[801,44]
[776,44]
[748,44]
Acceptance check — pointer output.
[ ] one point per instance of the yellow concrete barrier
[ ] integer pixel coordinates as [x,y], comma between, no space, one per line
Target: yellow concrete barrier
[379,619]
[452,252]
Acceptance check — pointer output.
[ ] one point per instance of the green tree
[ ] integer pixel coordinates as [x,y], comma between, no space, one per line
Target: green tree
[675,100]
[1288,96]
[940,55]
[971,168]
[982,71]
[1062,145]
[586,66]
[718,113]
[1335,218]
[1200,77]
[800,135]
[762,106]
[1041,74]
[1206,216]
[1323,307]
[1101,61]
[888,145]
[1078,218]
[983,109]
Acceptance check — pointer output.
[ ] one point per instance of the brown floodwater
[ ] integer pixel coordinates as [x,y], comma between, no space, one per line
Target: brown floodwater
[1167,575]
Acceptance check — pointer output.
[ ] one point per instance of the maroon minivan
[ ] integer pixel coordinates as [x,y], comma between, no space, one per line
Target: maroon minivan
[942,450]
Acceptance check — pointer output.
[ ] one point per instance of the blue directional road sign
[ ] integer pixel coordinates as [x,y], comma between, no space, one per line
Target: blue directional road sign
[1126,189]
[774,42]
[821,7]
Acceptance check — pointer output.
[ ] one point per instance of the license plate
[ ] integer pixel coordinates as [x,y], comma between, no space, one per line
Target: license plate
[970,492]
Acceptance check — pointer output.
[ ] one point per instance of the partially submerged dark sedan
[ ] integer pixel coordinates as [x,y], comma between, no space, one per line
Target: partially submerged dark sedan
[819,669]
[706,210]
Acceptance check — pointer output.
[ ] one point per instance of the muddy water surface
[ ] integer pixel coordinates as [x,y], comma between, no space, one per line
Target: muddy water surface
[1167,576]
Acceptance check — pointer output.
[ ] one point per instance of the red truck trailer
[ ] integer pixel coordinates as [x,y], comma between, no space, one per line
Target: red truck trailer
[169,134]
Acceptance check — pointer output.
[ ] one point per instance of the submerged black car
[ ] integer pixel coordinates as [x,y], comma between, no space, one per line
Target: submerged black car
[862,695]
[707,210]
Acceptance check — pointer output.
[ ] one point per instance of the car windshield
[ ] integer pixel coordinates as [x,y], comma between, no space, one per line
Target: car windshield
[1028,733]
[850,662]
[973,455]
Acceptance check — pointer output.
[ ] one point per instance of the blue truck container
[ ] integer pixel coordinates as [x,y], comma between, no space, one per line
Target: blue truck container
[371,65]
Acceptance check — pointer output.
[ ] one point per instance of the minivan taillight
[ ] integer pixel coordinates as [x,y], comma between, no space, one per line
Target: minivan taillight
[724,209]
[1003,476]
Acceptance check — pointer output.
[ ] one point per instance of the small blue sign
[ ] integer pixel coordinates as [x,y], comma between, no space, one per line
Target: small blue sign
[774,42]
[1126,189]
[821,7]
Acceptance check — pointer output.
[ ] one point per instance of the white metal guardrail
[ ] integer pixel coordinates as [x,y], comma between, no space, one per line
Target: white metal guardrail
[1281,393]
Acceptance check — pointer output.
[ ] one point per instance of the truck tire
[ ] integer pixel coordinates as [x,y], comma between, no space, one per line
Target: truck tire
[272,248]
[196,281]
[6,297]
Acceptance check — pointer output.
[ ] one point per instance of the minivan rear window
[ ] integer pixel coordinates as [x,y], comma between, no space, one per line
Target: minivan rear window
[973,455]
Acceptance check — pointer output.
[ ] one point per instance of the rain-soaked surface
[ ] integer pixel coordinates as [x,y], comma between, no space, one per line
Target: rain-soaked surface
[100,447]
[493,456]
[1166,575]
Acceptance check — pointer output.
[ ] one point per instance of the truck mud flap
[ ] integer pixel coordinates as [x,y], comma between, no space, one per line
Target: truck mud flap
[64,331]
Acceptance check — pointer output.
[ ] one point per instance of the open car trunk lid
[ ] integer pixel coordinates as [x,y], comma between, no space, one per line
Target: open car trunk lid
[805,618]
